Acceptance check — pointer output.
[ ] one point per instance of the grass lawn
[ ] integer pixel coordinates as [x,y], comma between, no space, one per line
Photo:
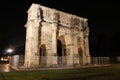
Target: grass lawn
[101,73]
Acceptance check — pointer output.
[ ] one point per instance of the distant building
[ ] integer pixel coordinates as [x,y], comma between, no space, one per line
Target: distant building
[55,38]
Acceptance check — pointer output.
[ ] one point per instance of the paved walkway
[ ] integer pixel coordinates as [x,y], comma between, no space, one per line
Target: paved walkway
[58,68]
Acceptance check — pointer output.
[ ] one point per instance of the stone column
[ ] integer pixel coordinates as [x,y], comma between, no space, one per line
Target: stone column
[51,57]
[87,47]
[27,61]
[31,49]
[54,38]
[36,42]
[70,61]
[54,43]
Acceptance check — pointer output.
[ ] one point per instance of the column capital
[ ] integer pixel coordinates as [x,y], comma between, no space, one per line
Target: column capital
[54,26]
[32,22]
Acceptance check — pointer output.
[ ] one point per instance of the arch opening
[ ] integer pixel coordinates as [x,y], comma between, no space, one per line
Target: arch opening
[59,51]
[42,54]
[80,53]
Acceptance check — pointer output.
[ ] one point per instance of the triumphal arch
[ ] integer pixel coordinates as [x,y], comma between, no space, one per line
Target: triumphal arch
[55,38]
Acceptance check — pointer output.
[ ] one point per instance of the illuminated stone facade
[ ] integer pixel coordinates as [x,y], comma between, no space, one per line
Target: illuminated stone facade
[55,38]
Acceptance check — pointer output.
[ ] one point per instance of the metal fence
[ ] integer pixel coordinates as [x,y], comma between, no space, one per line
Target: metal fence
[100,60]
[65,61]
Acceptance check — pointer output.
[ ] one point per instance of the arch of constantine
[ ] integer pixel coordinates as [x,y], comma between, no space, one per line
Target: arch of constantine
[55,38]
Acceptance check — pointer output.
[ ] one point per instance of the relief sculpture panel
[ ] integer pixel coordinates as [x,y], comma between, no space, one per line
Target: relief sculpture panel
[47,38]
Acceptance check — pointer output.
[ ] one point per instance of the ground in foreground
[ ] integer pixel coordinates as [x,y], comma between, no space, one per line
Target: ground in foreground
[101,73]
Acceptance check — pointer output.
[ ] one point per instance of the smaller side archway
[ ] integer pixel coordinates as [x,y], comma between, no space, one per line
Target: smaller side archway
[42,55]
[80,54]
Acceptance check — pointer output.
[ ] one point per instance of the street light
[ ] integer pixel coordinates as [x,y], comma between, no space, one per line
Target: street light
[9,50]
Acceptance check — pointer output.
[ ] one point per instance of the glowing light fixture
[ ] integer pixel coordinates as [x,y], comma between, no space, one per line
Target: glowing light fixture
[9,50]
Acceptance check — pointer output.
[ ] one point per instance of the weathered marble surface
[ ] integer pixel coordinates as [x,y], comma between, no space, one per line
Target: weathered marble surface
[44,27]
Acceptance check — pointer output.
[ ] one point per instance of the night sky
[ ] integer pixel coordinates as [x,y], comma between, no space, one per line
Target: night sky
[103,20]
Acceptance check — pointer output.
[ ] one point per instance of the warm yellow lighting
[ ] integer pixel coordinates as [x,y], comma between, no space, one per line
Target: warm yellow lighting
[9,50]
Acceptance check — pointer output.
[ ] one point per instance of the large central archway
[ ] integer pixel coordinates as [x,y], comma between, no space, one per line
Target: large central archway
[59,51]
